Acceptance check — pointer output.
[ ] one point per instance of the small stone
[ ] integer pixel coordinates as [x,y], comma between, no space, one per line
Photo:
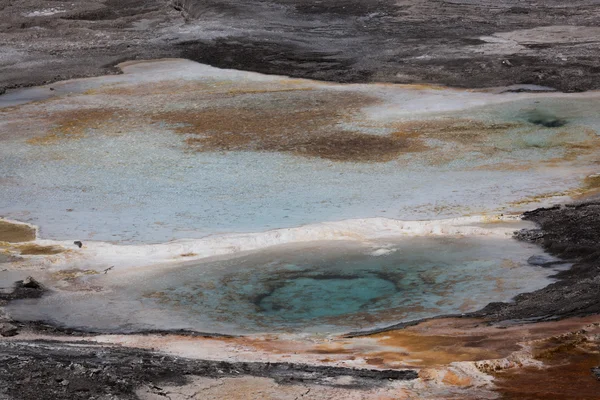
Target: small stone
[31,283]
[545,261]
[78,243]
[64,382]
[7,329]
[596,372]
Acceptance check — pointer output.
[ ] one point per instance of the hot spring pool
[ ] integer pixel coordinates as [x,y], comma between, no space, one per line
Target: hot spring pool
[325,287]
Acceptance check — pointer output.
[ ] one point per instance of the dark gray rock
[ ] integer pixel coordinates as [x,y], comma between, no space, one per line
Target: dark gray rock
[570,232]
[29,288]
[437,41]
[31,283]
[545,261]
[7,329]
[540,260]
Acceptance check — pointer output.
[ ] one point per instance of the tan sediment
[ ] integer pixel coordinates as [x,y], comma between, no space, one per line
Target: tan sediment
[33,249]
[460,130]
[283,118]
[423,86]
[19,238]
[160,87]
[73,273]
[301,118]
[216,88]
[592,182]
[304,126]
[14,233]
[75,124]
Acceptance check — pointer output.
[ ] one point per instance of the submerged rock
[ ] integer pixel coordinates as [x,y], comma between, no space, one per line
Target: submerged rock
[544,261]
[539,260]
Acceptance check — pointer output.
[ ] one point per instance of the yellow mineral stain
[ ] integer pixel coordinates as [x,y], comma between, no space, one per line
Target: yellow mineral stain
[170,87]
[304,126]
[14,233]
[592,182]
[422,86]
[193,88]
[303,119]
[460,130]
[71,274]
[74,124]
[589,187]
[32,249]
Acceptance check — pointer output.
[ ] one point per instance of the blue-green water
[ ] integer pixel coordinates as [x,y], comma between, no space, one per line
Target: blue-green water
[317,287]
[318,296]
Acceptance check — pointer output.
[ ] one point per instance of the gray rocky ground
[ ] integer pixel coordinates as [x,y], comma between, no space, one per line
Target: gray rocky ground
[68,370]
[466,43]
[571,232]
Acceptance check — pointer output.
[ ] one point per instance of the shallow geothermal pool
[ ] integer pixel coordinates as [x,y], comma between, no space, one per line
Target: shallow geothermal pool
[175,150]
[324,287]
[174,161]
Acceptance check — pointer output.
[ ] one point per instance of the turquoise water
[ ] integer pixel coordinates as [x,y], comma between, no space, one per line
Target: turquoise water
[318,296]
[318,288]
